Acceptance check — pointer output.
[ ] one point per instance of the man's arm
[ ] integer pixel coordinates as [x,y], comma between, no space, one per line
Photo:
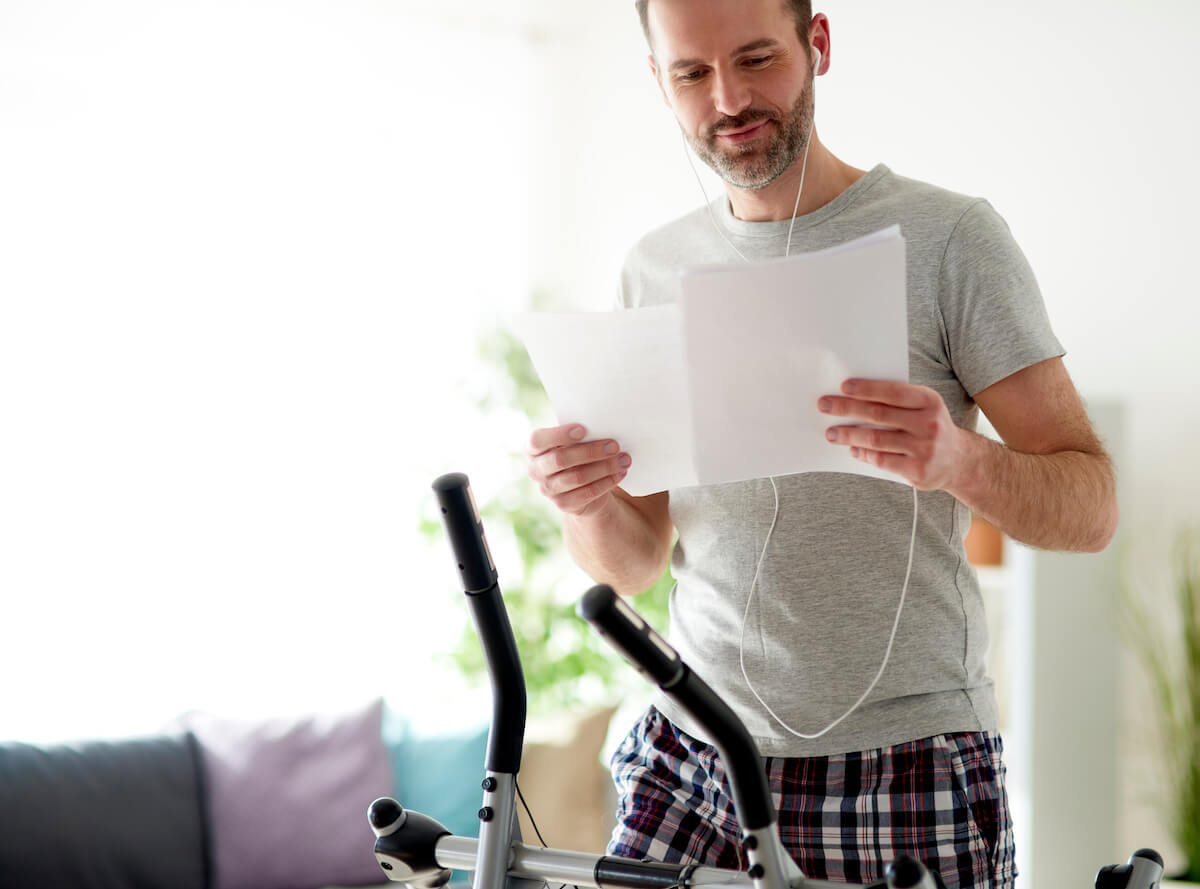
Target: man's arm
[626,544]
[1050,484]
[616,538]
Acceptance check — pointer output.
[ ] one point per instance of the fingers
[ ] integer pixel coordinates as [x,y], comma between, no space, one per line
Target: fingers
[897,463]
[883,440]
[555,437]
[583,500]
[563,458]
[575,474]
[895,405]
[582,475]
[875,412]
[904,395]
[911,432]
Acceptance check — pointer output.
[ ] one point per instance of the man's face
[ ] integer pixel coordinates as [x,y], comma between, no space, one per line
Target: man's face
[738,78]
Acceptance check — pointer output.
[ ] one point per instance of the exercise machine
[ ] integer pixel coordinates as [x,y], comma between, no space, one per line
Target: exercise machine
[415,849]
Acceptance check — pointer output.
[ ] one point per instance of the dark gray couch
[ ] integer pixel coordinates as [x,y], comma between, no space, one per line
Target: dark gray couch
[104,815]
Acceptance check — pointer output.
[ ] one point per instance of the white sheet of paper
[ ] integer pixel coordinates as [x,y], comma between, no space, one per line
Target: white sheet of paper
[620,374]
[723,386]
[764,341]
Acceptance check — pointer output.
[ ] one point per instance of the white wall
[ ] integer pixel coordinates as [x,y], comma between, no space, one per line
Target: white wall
[1076,119]
[246,249]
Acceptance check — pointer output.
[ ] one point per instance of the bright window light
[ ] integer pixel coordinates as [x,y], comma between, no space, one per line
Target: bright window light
[246,253]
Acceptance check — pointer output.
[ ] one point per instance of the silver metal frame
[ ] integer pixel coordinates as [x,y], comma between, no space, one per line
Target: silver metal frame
[572,868]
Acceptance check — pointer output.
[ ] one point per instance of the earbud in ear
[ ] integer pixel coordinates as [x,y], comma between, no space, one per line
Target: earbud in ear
[816,60]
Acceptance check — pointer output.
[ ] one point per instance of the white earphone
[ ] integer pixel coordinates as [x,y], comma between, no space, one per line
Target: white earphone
[775,489]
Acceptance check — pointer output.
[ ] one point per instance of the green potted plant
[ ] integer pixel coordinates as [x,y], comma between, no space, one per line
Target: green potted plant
[1167,640]
[566,665]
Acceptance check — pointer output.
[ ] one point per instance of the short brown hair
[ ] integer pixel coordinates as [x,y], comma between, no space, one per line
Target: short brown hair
[801,11]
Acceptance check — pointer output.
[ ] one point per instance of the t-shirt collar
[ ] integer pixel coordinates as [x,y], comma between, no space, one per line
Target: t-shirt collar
[774,228]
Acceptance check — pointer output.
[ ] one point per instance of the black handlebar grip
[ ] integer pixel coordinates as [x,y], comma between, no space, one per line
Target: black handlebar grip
[1143,871]
[1149,854]
[633,637]
[465,530]
[614,619]
[482,587]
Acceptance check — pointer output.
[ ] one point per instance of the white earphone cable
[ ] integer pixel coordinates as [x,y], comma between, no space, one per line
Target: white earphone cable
[775,518]
[912,541]
[707,203]
[787,250]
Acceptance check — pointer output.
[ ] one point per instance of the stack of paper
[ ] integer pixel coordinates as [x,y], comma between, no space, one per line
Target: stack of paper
[723,385]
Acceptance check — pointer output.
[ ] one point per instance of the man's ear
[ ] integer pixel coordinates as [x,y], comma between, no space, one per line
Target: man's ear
[819,38]
[657,80]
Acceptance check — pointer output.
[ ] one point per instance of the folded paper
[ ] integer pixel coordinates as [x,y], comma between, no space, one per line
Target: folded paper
[723,385]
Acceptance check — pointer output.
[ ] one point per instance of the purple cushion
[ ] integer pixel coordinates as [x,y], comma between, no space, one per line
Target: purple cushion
[288,798]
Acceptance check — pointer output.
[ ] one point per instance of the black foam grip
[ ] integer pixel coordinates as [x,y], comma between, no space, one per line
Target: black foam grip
[646,650]
[507,734]
[481,583]
[465,530]
[628,873]
[631,636]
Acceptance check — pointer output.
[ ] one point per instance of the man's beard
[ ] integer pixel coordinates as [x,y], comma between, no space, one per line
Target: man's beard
[753,166]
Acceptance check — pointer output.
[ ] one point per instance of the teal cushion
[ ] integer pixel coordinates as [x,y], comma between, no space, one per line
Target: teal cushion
[439,775]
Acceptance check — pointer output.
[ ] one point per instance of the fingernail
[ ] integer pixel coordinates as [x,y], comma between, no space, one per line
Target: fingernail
[825,404]
[849,388]
[577,432]
[624,461]
[831,434]
[611,448]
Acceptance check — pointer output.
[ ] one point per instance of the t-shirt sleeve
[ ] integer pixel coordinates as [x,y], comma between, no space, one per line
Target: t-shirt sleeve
[993,316]
[620,300]
[626,284]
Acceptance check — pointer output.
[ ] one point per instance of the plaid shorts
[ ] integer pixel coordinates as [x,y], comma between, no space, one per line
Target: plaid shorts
[939,799]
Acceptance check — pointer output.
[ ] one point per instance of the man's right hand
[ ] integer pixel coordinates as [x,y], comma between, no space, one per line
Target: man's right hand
[577,476]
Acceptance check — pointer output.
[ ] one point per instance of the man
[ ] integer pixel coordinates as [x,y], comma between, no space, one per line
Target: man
[787,588]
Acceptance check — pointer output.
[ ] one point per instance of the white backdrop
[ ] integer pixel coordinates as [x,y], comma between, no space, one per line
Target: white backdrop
[246,249]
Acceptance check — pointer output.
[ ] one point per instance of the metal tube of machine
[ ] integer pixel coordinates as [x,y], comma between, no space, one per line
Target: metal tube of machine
[583,869]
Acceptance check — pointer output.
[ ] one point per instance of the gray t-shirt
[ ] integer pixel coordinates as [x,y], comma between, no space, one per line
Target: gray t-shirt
[831,578]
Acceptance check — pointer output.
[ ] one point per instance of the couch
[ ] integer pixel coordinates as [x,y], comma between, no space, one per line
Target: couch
[216,803]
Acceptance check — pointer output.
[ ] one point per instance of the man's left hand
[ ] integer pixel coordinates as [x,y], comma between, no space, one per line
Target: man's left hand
[918,439]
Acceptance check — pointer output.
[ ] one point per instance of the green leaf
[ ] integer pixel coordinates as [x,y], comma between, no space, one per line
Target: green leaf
[1169,647]
[564,662]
